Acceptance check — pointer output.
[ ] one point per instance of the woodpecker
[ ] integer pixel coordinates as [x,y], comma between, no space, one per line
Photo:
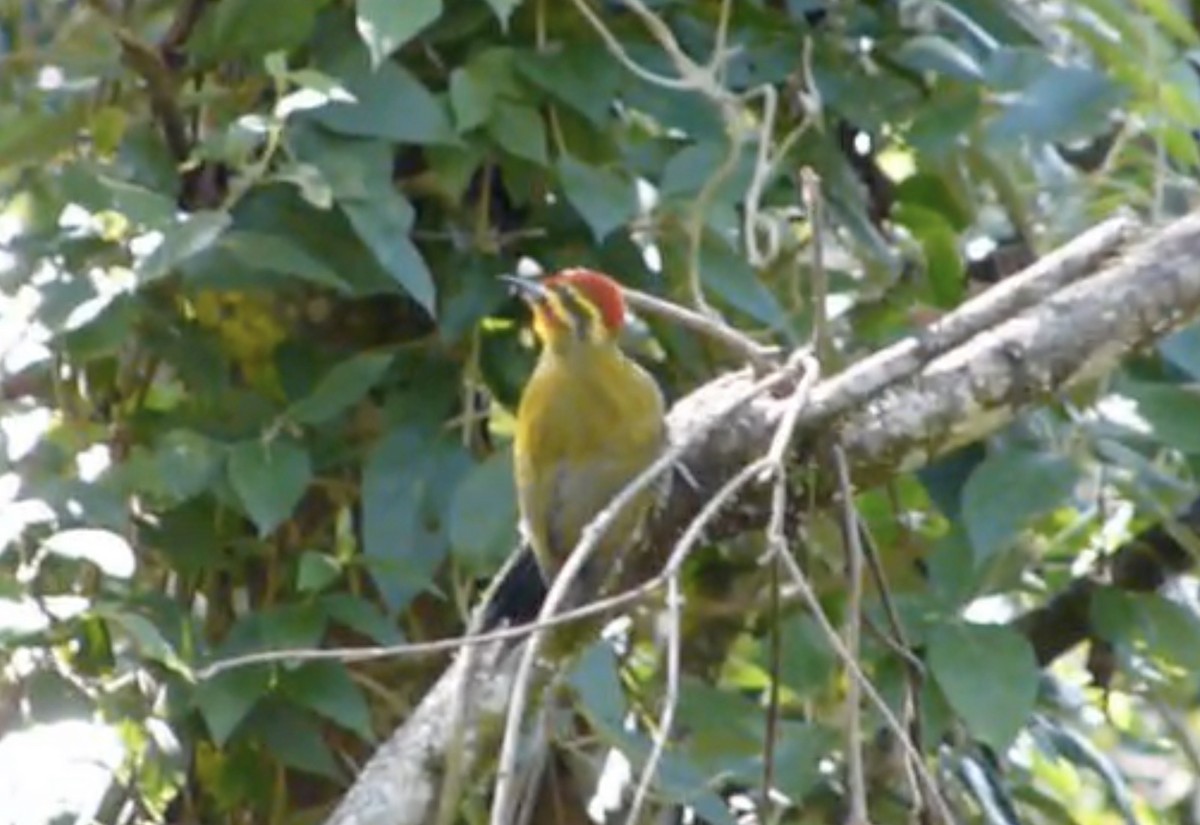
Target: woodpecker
[589,421]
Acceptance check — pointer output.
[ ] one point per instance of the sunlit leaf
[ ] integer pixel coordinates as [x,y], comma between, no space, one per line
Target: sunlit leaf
[181,241]
[103,548]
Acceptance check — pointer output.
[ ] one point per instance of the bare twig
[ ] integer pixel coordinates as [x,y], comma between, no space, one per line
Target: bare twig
[761,356]
[670,700]
[859,814]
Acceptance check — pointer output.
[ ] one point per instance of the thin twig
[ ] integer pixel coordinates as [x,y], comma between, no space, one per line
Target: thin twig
[670,700]
[761,356]
[618,51]
[856,780]
[822,340]
[777,545]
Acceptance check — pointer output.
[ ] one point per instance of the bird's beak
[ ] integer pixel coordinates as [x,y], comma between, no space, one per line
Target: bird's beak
[528,289]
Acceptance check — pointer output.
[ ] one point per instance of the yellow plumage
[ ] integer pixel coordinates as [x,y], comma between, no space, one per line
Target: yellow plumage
[590,420]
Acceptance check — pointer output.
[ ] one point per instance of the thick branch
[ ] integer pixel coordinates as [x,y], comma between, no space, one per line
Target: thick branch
[903,419]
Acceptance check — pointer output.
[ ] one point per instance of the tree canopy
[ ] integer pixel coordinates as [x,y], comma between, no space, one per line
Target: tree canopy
[259,375]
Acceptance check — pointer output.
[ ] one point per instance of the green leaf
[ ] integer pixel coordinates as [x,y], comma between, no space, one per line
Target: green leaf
[1183,350]
[595,679]
[362,616]
[91,188]
[360,174]
[316,571]
[1008,489]
[1064,103]
[32,137]
[389,102]
[260,250]
[471,98]
[227,698]
[933,53]
[584,77]
[269,478]
[519,130]
[326,236]
[341,388]
[103,548]
[353,168]
[147,638]
[483,512]
[689,170]
[1150,624]
[931,191]
[1006,21]
[722,725]
[382,223]
[327,689]
[1171,411]
[802,748]
[294,737]
[1167,14]
[944,267]
[806,661]
[385,25]
[602,197]
[989,676]
[403,536]
[726,275]
[185,463]
[296,625]
[235,29]
[183,240]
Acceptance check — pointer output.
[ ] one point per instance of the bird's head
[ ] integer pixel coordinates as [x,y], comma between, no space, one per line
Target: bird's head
[573,307]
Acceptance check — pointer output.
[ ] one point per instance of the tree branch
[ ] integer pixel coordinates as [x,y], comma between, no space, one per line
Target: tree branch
[890,421]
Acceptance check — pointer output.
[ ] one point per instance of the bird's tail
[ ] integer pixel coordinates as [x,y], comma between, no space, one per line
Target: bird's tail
[516,593]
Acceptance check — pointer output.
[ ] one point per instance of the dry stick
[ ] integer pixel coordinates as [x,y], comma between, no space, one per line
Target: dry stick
[761,356]
[854,761]
[501,801]
[622,56]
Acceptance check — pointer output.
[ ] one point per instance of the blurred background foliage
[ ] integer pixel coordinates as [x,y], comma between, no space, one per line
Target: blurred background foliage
[258,372]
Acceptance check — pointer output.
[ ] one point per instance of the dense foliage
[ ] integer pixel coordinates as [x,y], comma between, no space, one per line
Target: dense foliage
[258,376]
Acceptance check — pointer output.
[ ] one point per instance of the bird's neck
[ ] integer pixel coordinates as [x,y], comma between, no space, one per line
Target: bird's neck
[572,353]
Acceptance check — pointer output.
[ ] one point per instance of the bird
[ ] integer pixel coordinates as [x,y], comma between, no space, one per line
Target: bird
[589,421]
